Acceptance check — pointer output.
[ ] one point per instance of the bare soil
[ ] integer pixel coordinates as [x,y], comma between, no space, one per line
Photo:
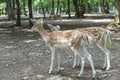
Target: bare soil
[24,56]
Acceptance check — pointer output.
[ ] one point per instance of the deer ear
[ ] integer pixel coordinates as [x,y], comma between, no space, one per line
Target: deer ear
[50,26]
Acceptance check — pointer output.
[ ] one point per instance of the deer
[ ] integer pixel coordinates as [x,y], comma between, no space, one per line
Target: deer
[97,36]
[73,39]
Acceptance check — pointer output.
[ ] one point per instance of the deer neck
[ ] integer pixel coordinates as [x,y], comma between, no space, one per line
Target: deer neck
[43,33]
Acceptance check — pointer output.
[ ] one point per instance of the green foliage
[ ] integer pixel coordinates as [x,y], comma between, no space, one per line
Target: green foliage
[1,1]
[2,5]
[36,5]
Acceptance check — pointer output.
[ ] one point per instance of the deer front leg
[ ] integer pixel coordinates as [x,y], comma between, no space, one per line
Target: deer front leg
[77,52]
[58,57]
[82,67]
[52,60]
[75,60]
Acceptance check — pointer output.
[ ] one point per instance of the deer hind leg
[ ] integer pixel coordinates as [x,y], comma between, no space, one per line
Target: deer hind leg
[75,60]
[89,57]
[103,47]
[106,58]
[52,60]
[58,58]
[82,65]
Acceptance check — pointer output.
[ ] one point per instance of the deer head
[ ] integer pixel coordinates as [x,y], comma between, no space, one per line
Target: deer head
[36,24]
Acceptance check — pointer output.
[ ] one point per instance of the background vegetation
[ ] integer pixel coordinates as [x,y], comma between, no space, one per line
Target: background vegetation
[15,8]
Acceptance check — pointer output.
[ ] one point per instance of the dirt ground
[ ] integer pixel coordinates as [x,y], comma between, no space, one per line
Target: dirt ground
[24,56]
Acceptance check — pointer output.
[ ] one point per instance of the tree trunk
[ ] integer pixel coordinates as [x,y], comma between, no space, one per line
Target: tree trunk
[107,7]
[60,9]
[13,7]
[42,8]
[64,6]
[13,3]
[117,14]
[77,12]
[30,11]
[18,22]
[103,6]
[68,8]
[10,12]
[24,4]
[52,12]
[58,5]
[88,7]
[79,8]
[82,8]
[47,9]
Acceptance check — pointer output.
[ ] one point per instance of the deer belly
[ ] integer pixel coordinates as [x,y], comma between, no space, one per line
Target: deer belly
[64,45]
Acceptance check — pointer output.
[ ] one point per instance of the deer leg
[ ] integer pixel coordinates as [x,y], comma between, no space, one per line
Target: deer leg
[78,60]
[52,60]
[77,52]
[106,58]
[75,60]
[107,62]
[82,66]
[58,57]
[89,57]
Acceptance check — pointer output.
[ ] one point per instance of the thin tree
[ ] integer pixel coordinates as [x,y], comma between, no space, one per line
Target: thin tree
[58,5]
[103,6]
[68,1]
[24,4]
[30,11]
[117,14]
[53,7]
[9,9]
[64,5]
[18,22]
[79,8]
[77,12]
[13,3]
[107,7]
[82,8]
[42,8]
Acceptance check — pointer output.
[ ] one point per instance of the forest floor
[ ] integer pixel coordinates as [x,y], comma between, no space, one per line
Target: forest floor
[24,56]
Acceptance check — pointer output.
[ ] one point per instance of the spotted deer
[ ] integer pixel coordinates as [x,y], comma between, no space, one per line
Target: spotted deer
[97,36]
[74,39]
